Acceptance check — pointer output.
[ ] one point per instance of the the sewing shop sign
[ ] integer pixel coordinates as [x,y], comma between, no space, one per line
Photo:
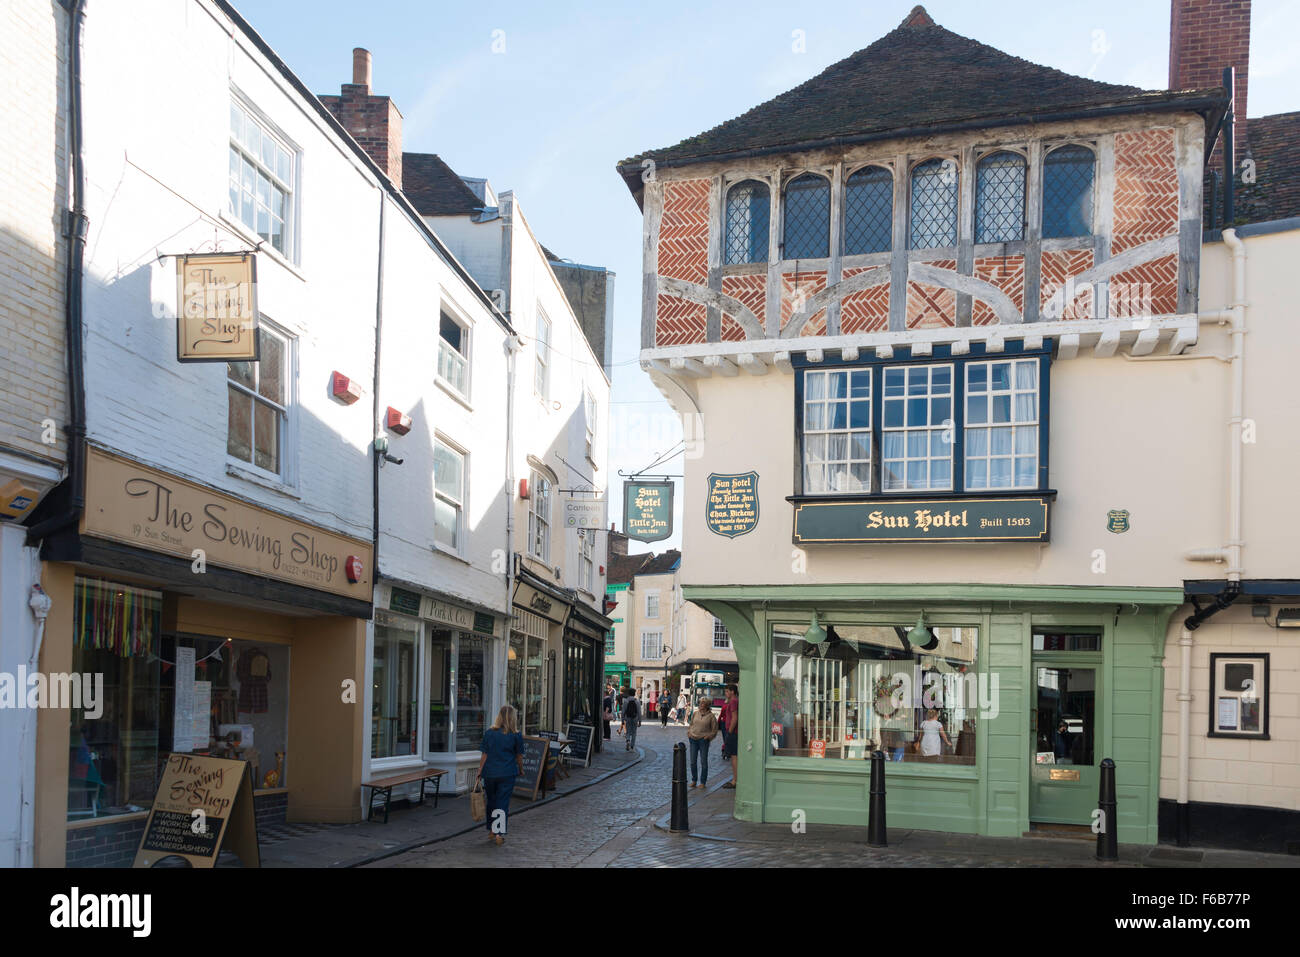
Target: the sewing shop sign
[149,509]
[216,307]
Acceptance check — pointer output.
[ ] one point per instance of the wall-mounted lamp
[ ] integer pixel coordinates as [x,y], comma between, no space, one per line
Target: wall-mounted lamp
[922,637]
[815,634]
[1287,618]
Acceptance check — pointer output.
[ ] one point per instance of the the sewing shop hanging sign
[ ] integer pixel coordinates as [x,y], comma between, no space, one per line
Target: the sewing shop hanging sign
[216,307]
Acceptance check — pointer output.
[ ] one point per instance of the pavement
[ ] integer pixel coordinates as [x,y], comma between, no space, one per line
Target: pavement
[616,814]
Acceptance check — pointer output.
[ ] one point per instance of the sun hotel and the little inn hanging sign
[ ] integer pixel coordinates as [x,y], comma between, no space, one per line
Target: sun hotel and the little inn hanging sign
[216,307]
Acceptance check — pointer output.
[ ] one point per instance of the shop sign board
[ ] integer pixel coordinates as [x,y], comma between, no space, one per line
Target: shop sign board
[535,751]
[584,512]
[216,307]
[203,806]
[149,509]
[731,505]
[539,603]
[580,743]
[1019,519]
[648,510]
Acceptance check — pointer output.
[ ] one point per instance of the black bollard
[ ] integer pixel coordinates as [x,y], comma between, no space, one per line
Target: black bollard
[876,809]
[1108,838]
[679,820]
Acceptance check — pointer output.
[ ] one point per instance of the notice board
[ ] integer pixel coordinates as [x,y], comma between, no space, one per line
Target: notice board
[203,805]
[580,743]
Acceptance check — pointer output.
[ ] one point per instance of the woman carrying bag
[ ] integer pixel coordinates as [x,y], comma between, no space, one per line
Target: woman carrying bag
[502,761]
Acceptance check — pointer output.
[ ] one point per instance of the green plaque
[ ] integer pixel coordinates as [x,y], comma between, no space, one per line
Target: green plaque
[648,510]
[929,520]
[484,622]
[407,602]
[731,506]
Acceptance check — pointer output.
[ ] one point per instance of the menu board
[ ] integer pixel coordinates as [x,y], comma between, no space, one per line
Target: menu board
[203,804]
[529,782]
[580,743]
[183,710]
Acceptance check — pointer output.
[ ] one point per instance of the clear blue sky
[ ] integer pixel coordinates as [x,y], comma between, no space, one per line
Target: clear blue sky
[580,86]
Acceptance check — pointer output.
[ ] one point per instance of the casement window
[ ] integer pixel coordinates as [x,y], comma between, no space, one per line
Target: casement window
[539,516]
[749,213]
[586,559]
[720,637]
[449,495]
[652,645]
[261,179]
[1000,198]
[543,349]
[944,424]
[806,233]
[453,353]
[1067,192]
[868,211]
[259,396]
[652,604]
[934,204]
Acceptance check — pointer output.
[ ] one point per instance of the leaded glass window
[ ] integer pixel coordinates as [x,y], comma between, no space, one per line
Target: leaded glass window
[1067,192]
[807,218]
[1000,198]
[868,211]
[916,435]
[1002,424]
[749,212]
[934,204]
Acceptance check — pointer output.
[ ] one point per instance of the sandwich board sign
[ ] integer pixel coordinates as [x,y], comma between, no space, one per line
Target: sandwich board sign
[203,805]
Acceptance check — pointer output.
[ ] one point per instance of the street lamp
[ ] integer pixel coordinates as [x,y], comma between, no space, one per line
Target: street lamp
[668,653]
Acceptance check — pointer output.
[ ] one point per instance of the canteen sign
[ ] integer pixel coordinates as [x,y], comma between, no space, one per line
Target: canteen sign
[913,520]
[732,504]
[648,510]
[216,307]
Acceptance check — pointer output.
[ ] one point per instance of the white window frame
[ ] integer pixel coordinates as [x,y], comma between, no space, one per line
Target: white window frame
[287,474]
[542,347]
[267,130]
[458,504]
[657,636]
[465,354]
[930,428]
[539,525]
[587,559]
[838,470]
[589,408]
[1016,425]
[720,630]
[655,596]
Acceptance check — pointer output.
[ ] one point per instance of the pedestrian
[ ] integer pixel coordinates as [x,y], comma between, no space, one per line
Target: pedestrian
[618,710]
[703,729]
[651,704]
[665,706]
[683,708]
[631,720]
[607,710]
[730,720]
[501,762]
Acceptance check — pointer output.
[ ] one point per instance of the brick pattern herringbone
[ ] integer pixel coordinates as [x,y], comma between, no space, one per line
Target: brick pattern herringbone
[867,310]
[731,330]
[1146,188]
[1150,289]
[679,321]
[684,231]
[1057,268]
[930,307]
[797,288]
[1008,274]
[752,291]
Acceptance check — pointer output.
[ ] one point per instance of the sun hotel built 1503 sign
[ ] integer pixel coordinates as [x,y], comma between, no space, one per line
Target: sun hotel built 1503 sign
[1022,519]
[216,307]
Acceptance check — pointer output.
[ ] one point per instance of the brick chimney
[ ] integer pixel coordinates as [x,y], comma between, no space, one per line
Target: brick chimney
[617,543]
[1205,36]
[373,121]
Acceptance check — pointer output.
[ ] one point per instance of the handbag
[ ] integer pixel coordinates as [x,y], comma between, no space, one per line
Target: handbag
[478,802]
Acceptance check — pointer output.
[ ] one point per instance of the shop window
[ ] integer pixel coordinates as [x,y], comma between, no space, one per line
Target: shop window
[258,398]
[261,179]
[1002,424]
[395,691]
[934,204]
[866,687]
[449,495]
[539,517]
[1239,688]
[526,670]
[440,703]
[1067,192]
[453,353]
[577,682]
[868,211]
[749,212]
[720,637]
[473,676]
[807,230]
[1000,198]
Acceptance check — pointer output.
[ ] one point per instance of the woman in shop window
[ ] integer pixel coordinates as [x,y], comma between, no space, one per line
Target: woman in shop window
[501,763]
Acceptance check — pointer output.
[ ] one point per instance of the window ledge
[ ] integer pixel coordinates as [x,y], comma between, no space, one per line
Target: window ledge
[253,239]
[453,392]
[1049,493]
[263,481]
[896,768]
[745,269]
[446,552]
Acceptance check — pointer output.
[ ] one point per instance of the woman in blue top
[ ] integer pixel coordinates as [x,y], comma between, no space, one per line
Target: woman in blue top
[501,763]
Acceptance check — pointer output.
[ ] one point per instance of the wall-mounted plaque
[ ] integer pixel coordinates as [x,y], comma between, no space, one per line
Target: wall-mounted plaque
[731,507]
[216,307]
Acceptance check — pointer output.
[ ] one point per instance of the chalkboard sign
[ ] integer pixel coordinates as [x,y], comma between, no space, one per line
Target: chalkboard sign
[535,749]
[580,743]
[549,735]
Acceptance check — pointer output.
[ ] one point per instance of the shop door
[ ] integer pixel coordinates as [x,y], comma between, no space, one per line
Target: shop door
[1065,739]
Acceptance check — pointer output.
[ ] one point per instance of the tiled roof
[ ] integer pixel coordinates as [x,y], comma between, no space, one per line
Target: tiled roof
[1275,148]
[662,564]
[623,568]
[919,77]
[434,188]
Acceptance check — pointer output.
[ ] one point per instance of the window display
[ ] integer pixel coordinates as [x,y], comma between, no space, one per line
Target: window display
[867,686]
[440,705]
[393,710]
[472,675]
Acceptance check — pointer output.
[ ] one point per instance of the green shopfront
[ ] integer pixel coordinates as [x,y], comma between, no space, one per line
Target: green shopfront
[993,704]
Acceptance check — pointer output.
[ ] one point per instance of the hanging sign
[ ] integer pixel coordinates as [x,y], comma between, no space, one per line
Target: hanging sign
[216,307]
[648,510]
[202,806]
[584,512]
[731,507]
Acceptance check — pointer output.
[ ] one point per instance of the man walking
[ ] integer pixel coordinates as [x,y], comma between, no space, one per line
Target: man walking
[730,719]
[665,706]
[631,720]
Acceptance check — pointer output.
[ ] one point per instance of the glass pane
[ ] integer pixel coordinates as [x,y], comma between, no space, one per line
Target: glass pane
[1002,408]
[837,478]
[868,211]
[861,445]
[814,385]
[940,409]
[839,416]
[1067,192]
[239,427]
[241,372]
[940,446]
[893,445]
[861,477]
[916,474]
[395,698]
[748,215]
[1026,472]
[861,388]
[1027,375]
[916,444]
[815,479]
[934,204]
[440,701]
[1026,407]
[836,384]
[1026,441]
[1066,714]
[837,448]
[940,474]
[807,218]
[472,674]
[816,448]
[267,433]
[450,331]
[1001,441]
[977,409]
[893,414]
[1000,199]
[916,412]
[253,138]
[977,377]
[814,416]
[282,165]
[447,468]
[977,441]
[860,415]
[1001,375]
[446,519]
[999,473]
[236,122]
[270,370]
[977,474]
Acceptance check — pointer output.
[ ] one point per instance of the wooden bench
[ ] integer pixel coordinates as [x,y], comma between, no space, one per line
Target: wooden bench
[384,786]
